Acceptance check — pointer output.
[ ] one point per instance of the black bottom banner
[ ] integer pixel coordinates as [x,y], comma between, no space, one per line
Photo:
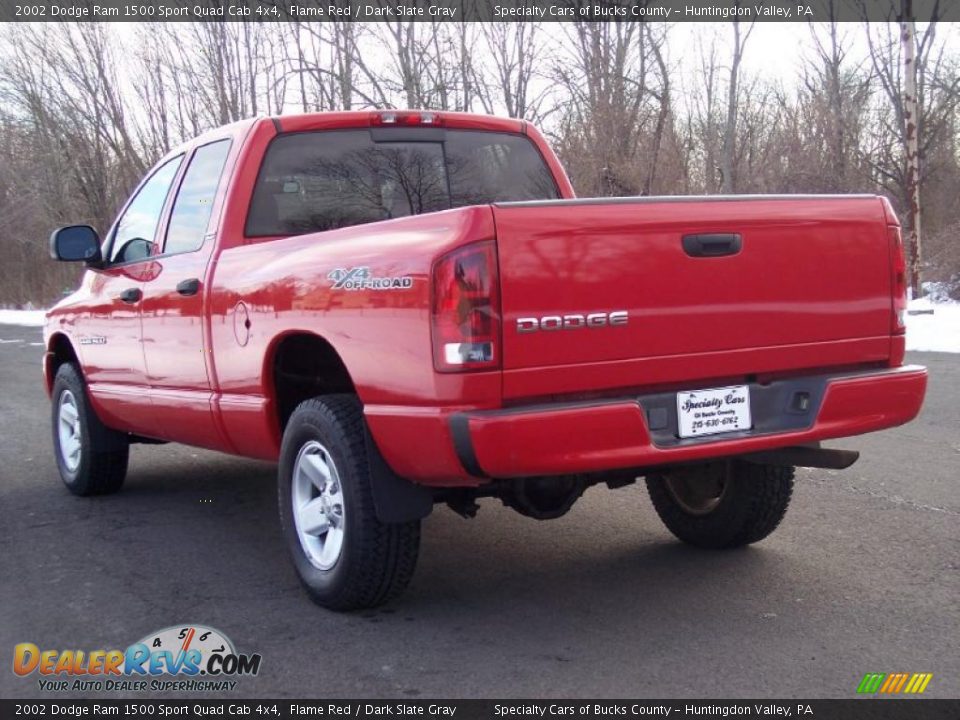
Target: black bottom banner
[859,709]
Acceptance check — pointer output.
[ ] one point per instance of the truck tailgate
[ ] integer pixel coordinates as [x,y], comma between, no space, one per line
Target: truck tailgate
[767,283]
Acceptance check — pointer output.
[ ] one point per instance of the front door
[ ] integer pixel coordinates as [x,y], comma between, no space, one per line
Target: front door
[110,332]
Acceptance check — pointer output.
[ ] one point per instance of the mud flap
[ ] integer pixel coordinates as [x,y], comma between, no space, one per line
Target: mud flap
[395,499]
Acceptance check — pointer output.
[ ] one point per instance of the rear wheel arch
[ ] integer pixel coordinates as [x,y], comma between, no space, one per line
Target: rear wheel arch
[303,366]
[300,366]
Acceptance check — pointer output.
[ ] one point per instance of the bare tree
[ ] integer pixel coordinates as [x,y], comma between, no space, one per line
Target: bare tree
[324,66]
[911,114]
[728,182]
[85,110]
[616,89]
[661,96]
[704,119]
[514,51]
[921,87]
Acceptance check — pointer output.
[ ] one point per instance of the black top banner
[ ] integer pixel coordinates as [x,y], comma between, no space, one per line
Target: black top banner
[475,10]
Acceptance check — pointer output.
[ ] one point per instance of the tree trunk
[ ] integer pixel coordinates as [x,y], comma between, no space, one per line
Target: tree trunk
[727,180]
[911,120]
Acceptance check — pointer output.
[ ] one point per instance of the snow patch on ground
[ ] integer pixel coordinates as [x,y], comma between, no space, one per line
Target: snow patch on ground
[29,318]
[936,332]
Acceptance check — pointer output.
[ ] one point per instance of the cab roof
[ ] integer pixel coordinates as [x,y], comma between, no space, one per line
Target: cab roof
[399,118]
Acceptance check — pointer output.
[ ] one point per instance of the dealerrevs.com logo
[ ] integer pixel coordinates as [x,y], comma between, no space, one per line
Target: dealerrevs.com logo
[177,658]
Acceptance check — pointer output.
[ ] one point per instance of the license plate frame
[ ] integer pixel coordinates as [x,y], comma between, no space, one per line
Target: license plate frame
[713,411]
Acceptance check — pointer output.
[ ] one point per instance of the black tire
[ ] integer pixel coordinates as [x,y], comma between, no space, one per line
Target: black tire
[751,501]
[103,453]
[376,560]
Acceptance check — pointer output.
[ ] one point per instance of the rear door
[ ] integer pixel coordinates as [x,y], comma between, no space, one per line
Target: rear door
[178,362]
[641,292]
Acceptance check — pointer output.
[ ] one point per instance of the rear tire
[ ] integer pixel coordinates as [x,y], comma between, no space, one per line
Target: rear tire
[724,504]
[345,557]
[92,458]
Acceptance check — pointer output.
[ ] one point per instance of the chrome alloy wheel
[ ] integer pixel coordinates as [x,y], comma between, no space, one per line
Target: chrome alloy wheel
[318,504]
[69,432]
[698,492]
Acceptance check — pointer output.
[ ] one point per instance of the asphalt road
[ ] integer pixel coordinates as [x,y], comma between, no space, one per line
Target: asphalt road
[862,576]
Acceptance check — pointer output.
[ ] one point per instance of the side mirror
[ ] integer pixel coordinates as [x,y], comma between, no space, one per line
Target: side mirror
[75,243]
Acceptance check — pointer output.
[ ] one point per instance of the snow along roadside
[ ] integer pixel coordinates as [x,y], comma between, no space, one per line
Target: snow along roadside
[935,332]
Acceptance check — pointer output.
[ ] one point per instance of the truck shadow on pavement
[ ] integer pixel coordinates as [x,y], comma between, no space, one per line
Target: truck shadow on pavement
[194,537]
[222,512]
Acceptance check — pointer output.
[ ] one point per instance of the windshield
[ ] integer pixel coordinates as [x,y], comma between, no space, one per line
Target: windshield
[324,180]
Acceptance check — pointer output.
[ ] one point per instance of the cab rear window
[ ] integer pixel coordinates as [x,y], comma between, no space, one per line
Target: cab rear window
[316,181]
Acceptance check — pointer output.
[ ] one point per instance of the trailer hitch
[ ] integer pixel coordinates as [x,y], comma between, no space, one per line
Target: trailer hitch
[812,456]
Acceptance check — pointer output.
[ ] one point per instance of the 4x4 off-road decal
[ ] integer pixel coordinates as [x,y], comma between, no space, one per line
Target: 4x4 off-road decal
[360,278]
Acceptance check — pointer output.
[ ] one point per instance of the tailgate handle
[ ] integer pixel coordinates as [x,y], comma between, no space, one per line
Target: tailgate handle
[712,244]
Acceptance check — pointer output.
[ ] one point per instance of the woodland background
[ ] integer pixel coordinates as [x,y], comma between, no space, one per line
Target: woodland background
[86,108]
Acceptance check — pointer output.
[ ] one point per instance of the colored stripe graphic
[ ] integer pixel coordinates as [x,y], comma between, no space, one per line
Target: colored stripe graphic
[870,683]
[918,683]
[894,683]
[889,682]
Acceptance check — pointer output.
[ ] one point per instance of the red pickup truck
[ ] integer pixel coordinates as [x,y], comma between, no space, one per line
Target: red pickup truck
[409,308]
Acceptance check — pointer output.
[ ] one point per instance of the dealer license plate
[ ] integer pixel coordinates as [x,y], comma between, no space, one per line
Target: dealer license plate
[718,410]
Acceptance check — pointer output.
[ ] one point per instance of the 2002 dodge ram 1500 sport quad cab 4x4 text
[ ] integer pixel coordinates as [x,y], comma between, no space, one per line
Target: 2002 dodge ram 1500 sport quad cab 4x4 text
[407,308]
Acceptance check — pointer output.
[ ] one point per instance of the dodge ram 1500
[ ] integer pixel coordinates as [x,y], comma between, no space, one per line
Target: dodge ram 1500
[406,308]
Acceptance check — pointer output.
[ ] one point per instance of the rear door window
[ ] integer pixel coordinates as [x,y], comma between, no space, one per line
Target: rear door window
[191,210]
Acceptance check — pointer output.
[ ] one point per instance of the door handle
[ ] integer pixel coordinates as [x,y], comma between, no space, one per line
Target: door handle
[712,244]
[131,295]
[188,287]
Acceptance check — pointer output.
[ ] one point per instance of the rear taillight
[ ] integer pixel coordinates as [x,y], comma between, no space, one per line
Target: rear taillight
[466,310]
[898,269]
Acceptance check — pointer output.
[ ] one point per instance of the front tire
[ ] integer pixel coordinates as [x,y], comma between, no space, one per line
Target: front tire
[92,458]
[345,557]
[722,505]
